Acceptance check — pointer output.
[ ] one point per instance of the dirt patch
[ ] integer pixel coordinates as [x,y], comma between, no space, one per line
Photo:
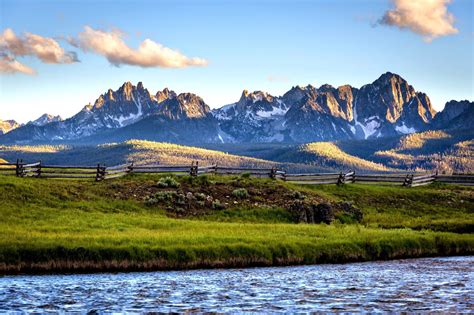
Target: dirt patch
[190,197]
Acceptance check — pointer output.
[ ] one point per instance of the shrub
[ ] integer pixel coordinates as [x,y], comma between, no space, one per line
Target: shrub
[245,175]
[217,205]
[168,182]
[200,196]
[162,197]
[241,193]
[298,195]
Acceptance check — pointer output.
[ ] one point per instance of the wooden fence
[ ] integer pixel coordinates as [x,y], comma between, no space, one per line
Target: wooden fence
[103,172]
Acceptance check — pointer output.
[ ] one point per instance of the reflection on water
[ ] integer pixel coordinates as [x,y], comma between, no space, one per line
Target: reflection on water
[432,284]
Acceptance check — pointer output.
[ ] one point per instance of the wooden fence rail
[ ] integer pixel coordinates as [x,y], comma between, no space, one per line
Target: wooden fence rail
[103,172]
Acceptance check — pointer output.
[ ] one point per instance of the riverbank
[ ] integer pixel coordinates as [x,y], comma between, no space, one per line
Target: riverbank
[80,226]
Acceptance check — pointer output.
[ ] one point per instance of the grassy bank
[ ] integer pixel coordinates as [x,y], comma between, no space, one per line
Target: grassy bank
[59,225]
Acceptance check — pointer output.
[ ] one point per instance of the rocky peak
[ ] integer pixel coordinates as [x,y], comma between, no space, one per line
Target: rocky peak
[109,95]
[256,96]
[295,94]
[8,125]
[165,94]
[326,88]
[458,114]
[385,97]
[125,91]
[45,119]
[453,109]
[185,105]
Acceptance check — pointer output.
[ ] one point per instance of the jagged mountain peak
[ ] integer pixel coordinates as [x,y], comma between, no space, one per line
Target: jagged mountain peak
[387,107]
[389,76]
[164,95]
[45,119]
[184,105]
[255,96]
[326,87]
[8,125]
[456,114]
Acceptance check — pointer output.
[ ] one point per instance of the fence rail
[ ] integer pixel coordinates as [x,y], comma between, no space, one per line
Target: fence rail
[103,172]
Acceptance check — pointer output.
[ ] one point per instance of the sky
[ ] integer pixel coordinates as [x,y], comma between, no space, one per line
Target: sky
[58,56]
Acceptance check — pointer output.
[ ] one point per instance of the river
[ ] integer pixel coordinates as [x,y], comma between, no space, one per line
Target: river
[413,285]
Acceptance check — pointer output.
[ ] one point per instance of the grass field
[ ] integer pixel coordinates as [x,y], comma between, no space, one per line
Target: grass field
[72,226]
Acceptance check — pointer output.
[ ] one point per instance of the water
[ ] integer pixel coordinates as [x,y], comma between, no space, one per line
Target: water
[417,285]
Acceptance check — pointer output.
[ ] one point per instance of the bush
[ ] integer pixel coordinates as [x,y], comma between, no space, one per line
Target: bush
[200,196]
[168,182]
[245,175]
[217,205]
[201,180]
[241,193]
[298,195]
[163,197]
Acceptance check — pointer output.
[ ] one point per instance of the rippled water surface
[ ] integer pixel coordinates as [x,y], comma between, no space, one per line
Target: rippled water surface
[442,284]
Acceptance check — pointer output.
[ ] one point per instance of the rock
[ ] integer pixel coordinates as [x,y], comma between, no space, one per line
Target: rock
[323,212]
[312,213]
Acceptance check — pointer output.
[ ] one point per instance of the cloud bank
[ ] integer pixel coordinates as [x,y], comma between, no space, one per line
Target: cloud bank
[9,65]
[429,18]
[149,53]
[45,49]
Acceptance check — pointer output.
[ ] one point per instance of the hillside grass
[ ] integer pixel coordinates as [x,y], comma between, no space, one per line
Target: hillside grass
[329,155]
[58,225]
[438,207]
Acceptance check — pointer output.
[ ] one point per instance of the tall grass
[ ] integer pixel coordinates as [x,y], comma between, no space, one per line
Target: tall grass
[58,225]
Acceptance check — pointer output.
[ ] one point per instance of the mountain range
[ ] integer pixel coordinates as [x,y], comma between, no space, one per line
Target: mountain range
[387,107]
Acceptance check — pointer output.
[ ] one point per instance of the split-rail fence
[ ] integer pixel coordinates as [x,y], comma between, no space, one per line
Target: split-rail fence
[102,172]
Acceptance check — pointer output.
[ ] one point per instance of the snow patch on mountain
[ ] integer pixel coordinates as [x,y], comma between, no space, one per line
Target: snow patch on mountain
[404,129]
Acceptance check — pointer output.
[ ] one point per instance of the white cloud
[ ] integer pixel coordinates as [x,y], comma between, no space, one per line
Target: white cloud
[429,18]
[9,65]
[148,54]
[46,49]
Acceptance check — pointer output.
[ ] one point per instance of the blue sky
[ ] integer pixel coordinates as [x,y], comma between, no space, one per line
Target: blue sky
[254,45]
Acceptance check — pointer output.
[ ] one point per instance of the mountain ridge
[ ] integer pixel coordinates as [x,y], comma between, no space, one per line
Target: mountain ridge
[388,106]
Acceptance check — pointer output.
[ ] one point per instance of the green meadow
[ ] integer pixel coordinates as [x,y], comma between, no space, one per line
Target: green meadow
[82,226]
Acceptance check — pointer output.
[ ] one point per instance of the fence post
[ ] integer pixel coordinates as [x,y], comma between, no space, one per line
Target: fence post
[273,173]
[98,176]
[194,169]
[17,167]
[408,180]
[130,168]
[21,169]
[353,177]
[341,179]
[38,170]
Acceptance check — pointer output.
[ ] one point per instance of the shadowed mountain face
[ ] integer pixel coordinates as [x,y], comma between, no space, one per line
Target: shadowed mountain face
[456,115]
[387,107]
